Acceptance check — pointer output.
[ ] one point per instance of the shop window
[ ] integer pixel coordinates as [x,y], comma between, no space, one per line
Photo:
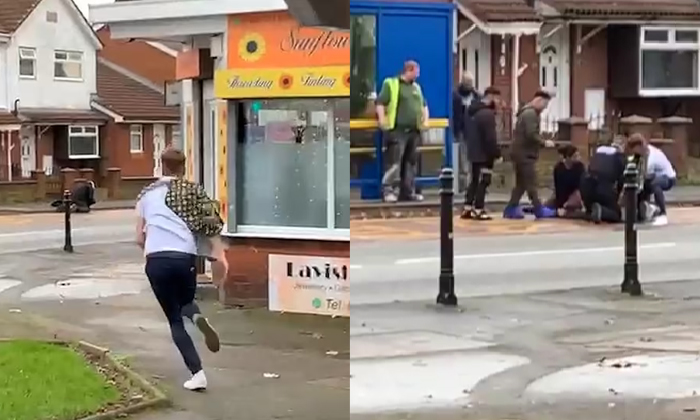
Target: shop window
[363,53]
[292,171]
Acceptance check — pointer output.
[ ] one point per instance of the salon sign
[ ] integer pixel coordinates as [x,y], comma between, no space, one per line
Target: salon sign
[309,284]
[271,56]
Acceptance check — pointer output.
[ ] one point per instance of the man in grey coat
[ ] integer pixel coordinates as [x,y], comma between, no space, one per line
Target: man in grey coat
[525,152]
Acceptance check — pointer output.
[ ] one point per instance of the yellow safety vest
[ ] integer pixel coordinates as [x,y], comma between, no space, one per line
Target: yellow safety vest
[393,84]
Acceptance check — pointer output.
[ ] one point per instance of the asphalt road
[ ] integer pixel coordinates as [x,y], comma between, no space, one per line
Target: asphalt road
[485,265]
[31,232]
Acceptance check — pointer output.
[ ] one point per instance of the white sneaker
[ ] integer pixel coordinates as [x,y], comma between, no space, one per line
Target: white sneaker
[390,198]
[197,383]
[661,220]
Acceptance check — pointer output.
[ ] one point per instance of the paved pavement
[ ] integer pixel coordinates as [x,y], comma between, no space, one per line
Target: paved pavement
[539,311]
[28,232]
[100,294]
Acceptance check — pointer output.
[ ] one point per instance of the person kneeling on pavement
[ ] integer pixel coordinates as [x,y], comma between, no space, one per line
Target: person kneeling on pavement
[602,185]
[483,151]
[659,178]
[568,173]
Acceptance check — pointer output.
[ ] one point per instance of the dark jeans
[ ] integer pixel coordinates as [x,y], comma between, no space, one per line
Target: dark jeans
[173,278]
[400,161]
[604,194]
[525,182]
[479,182]
[656,186]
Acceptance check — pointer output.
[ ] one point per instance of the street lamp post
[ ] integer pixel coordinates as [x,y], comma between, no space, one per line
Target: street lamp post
[630,283]
[446,295]
[68,232]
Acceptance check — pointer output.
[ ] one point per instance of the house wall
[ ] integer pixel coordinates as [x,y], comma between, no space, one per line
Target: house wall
[138,57]
[69,33]
[119,155]
[589,69]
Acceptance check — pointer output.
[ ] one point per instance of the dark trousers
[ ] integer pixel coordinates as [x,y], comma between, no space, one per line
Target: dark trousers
[656,186]
[481,174]
[525,182]
[604,194]
[173,278]
[401,161]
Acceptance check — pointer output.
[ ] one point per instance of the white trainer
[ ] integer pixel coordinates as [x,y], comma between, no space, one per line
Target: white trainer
[197,383]
[660,220]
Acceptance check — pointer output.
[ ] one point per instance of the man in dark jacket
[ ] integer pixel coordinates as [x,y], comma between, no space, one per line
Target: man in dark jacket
[601,187]
[462,124]
[525,153]
[483,151]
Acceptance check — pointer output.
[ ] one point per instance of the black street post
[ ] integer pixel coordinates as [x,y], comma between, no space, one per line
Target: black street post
[446,295]
[630,282]
[68,236]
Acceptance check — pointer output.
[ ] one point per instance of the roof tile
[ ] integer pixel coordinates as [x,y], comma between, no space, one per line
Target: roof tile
[14,12]
[501,10]
[130,98]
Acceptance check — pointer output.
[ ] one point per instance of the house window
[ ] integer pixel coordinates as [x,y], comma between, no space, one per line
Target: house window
[83,142]
[68,65]
[136,138]
[669,61]
[27,63]
[176,136]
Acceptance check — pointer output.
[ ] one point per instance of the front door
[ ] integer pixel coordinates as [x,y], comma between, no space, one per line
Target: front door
[27,152]
[554,77]
[158,147]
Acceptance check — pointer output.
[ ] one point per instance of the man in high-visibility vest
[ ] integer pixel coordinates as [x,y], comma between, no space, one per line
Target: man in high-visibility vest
[402,114]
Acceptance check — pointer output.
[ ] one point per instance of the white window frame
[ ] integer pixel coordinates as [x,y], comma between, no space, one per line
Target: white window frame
[26,53]
[84,131]
[68,59]
[670,45]
[136,130]
[176,135]
[329,233]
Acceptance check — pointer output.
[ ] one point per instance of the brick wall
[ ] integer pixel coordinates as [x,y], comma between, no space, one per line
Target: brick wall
[248,264]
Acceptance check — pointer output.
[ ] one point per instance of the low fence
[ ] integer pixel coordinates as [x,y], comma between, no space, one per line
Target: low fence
[42,187]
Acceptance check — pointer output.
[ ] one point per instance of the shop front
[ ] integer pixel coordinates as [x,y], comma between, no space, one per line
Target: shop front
[283,163]
[384,35]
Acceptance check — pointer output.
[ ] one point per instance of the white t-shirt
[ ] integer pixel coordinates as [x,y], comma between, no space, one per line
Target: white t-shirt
[165,231]
[658,164]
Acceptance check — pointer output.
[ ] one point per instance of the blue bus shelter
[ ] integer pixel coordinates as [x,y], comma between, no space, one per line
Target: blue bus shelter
[385,35]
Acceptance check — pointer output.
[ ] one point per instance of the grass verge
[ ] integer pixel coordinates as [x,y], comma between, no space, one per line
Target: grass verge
[41,381]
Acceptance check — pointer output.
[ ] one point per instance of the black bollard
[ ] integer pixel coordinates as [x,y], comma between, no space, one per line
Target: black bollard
[68,236]
[630,283]
[446,295]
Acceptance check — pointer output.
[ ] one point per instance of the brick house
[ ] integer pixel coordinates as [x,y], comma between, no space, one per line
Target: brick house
[602,60]
[140,125]
[54,94]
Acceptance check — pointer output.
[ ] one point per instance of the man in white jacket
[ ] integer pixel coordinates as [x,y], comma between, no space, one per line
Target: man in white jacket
[660,177]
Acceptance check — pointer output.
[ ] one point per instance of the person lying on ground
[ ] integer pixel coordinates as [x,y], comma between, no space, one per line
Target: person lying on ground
[602,184]
[568,174]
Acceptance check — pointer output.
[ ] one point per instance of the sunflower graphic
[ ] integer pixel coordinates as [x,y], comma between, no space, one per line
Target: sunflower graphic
[346,80]
[286,81]
[251,47]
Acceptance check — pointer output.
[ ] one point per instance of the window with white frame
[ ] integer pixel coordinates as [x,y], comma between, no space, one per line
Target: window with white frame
[176,136]
[136,138]
[68,65]
[27,63]
[83,142]
[669,61]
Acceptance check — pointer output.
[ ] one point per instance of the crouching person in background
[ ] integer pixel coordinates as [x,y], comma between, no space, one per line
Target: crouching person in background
[568,174]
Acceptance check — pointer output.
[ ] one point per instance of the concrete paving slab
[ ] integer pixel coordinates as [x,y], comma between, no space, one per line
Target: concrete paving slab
[422,382]
[406,343]
[669,376]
